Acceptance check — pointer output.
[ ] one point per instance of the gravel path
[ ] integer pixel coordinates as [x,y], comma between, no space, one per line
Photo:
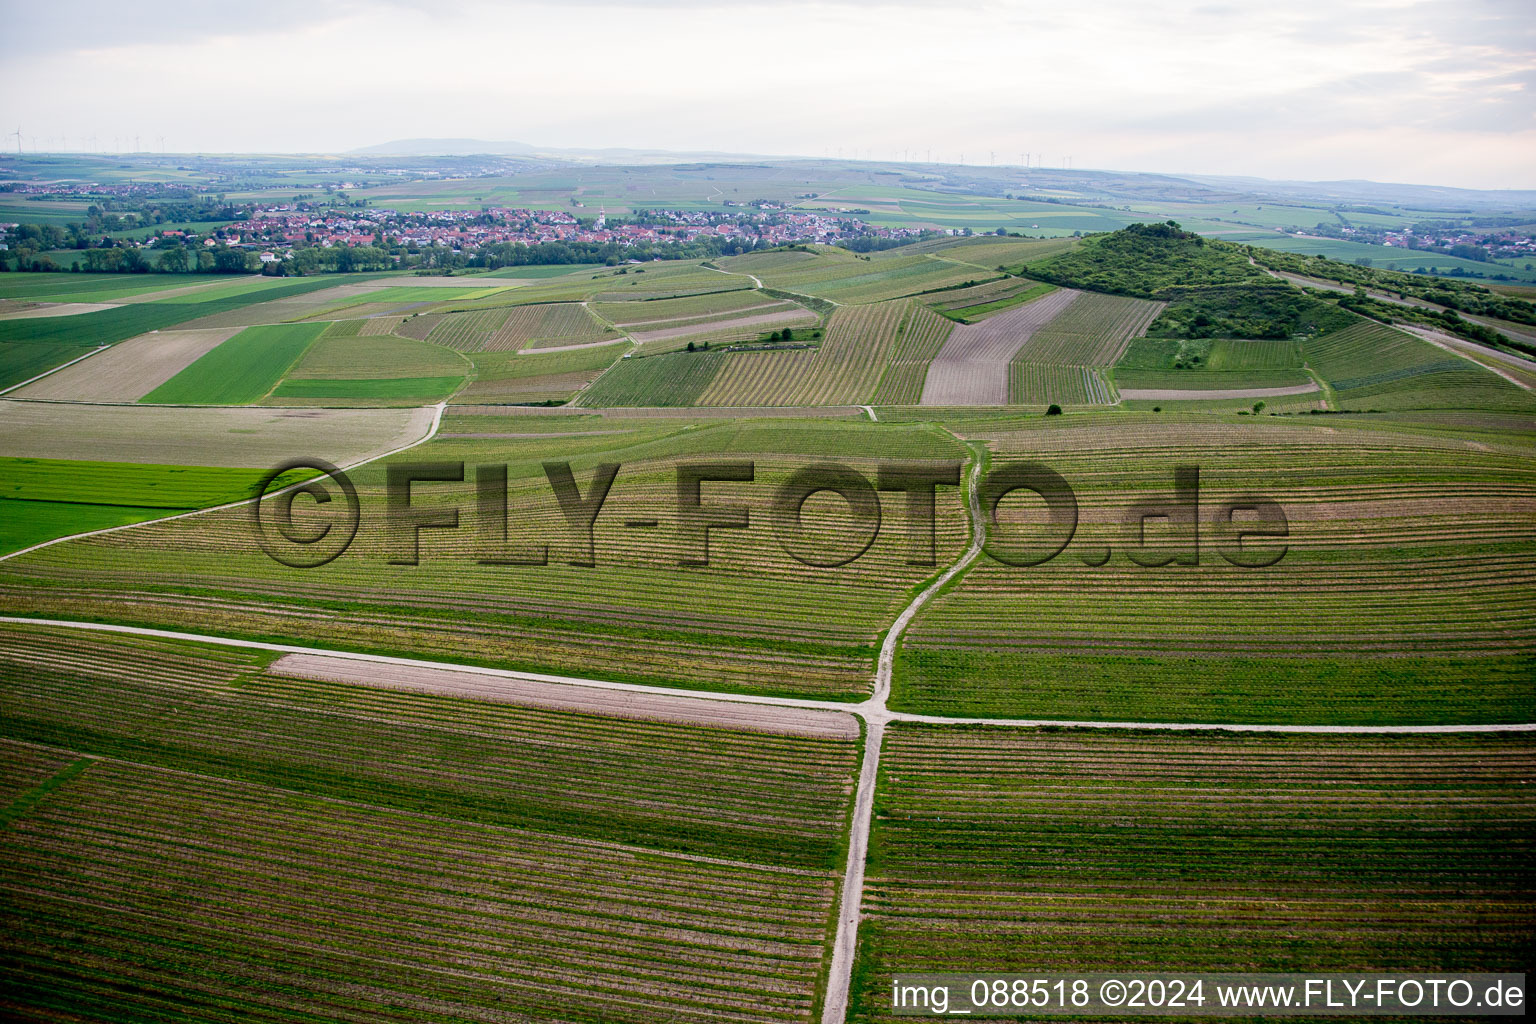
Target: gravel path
[564,696]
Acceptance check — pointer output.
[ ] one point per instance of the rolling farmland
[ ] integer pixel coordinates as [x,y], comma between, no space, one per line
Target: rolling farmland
[1371,366]
[657,879]
[129,370]
[1115,851]
[530,377]
[845,368]
[238,437]
[564,323]
[1093,331]
[847,279]
[967,305]
[675,379]
[922,337]
[41,499]
[1048,383]
[1401,595]
[502,762]
[972,366]
[30,347]
[754,619]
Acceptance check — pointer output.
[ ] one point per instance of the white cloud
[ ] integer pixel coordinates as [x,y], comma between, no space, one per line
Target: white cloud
[1437,91]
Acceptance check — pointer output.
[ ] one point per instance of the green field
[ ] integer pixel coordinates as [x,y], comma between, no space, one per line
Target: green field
[523,378]
[674,379]
[242,370]
[1371,366]
[29,347]
[433,779]
[41,499]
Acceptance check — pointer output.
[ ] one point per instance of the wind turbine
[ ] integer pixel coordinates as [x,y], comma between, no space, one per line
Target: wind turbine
[17,133]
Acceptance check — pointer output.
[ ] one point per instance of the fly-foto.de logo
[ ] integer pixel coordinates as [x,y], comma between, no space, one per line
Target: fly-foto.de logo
[1170,528]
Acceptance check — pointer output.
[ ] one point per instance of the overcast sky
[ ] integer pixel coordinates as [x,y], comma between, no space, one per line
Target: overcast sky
[1435,92]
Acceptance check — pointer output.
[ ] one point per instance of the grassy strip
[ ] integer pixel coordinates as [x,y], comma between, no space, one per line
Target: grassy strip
[387,387]
[32,797]
[970,314]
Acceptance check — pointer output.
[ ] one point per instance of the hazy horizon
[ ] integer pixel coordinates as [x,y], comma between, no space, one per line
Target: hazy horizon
[1431,93]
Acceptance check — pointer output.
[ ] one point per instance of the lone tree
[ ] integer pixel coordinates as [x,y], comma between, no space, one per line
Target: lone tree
[1053,410]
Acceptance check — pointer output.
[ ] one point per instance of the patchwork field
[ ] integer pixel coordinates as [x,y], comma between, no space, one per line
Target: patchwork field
[1093,331]
[235,437]
[241,370]
[754,618]
[967,305]
[41,499]
[33,346]
[603,757]
[845,278]
[536,377]
[995,253]
[673,379]
[972,366]
[703,881]
[549,325]
[845,368]
[1115,851]
[922,337]
[129,370]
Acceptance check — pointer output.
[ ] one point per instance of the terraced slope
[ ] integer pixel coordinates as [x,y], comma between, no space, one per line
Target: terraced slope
[1083,851]
[294,848]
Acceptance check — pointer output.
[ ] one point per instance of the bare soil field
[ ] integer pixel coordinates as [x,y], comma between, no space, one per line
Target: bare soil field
[169,435]
[972,367]
[129,370]
[58,309]
[534,692]
[278,310]
[477,281]
[172,293]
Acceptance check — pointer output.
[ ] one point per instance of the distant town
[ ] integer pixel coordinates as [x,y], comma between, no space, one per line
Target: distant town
[134,231]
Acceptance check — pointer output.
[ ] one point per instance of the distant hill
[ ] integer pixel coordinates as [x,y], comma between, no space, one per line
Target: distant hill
[446,147]
[483,147]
